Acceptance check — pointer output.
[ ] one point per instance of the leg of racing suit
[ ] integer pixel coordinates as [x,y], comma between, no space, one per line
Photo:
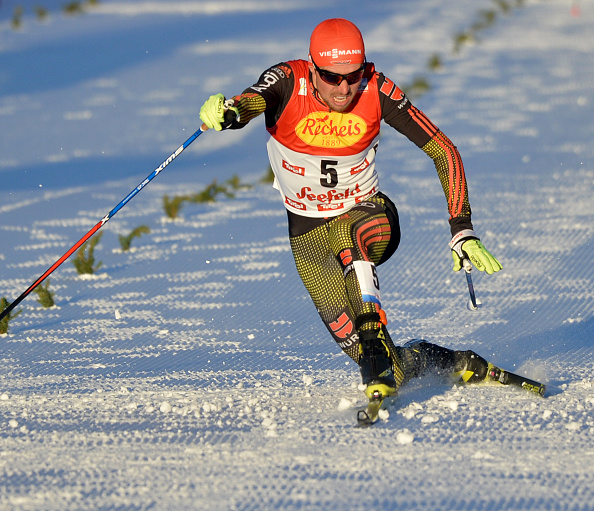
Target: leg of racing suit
[336,261]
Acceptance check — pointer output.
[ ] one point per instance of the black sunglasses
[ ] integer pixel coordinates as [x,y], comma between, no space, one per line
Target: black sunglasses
[336,78]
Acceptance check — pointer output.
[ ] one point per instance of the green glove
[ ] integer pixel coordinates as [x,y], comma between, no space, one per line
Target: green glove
[465,245]
[213,112]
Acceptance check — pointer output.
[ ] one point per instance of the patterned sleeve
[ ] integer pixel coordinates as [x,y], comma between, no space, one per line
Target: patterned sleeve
[398,112]
[269,94]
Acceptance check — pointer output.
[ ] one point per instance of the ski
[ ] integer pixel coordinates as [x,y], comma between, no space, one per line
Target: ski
[371,413]
[507,378]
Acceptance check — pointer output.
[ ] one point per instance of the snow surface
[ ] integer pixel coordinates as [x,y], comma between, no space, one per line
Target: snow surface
[192,372]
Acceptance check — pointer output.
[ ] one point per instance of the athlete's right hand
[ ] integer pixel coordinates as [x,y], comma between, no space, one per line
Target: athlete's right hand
[213,112]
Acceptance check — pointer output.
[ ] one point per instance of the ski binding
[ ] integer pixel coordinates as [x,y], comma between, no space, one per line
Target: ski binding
[370,415]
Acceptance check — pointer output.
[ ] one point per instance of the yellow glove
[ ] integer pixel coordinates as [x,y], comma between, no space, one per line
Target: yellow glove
[213,112]
[465,245]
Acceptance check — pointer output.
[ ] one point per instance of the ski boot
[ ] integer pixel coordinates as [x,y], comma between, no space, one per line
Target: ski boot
[375,365]
[473,367]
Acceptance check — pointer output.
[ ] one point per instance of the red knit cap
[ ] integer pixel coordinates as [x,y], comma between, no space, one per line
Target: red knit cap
[336,41]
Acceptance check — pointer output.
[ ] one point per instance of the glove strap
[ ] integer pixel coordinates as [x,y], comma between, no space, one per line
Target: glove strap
[459,238]
[466,234]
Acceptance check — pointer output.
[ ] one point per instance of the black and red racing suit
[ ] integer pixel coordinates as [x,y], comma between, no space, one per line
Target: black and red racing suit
[340,224]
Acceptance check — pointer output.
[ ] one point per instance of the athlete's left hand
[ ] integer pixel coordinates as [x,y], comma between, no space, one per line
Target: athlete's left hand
[466,245]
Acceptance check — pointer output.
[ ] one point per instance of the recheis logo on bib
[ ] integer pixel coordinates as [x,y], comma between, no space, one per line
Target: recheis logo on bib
[331,129]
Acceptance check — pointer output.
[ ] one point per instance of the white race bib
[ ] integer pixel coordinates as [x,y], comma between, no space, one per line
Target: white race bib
[321,186]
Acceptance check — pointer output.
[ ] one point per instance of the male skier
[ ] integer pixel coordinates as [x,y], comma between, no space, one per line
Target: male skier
[323,116]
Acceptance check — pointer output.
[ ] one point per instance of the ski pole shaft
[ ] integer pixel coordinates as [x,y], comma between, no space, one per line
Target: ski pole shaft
[467,270]
[104,220]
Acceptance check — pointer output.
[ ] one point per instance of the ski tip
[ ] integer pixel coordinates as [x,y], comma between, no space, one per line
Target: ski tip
[499,375]
[535,387]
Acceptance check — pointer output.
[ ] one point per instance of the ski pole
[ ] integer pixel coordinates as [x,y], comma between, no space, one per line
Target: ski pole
[104,220]
[473,303]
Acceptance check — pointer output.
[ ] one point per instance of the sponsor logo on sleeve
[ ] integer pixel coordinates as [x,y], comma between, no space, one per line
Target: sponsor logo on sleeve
[284,71]
[390,89]
[268,79]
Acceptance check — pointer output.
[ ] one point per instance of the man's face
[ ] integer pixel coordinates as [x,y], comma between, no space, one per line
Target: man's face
[337,97]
